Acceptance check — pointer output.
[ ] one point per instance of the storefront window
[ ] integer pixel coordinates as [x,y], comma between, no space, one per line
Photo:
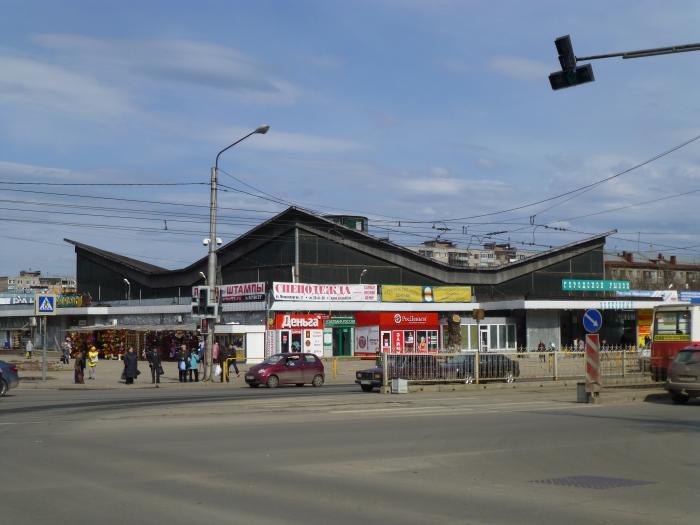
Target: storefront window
[511,336]
[493,336]
[502,342]
[409,342]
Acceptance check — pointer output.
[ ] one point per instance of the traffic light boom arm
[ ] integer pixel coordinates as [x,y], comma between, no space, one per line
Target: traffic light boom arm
[641,53]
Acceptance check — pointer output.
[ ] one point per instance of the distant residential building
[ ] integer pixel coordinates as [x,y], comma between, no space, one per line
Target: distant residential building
[491,255]
[29,281]
[659,273]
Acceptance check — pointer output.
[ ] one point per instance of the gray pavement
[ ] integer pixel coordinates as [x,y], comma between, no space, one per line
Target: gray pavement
[304,455]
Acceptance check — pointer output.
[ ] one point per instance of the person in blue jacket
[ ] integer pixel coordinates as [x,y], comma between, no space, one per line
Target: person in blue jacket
[193,365]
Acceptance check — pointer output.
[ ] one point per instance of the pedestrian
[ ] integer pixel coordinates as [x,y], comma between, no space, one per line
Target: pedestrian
[193,365]
[131,366]
[78,367]
[156,365]
[29,348]
[66,349]
[227,361]
[182,368]
[215,353]
[93,356]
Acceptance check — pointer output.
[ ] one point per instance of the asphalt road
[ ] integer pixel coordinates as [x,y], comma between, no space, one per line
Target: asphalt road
[334,455]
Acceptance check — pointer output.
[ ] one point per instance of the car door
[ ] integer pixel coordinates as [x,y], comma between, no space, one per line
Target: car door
[311,367]
[293,370]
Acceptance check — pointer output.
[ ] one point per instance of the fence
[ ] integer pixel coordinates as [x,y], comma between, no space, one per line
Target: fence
[508,367]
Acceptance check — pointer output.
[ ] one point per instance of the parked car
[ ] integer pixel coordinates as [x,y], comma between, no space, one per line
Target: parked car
[683,379]
[8,377]
[287,369]
[442,368]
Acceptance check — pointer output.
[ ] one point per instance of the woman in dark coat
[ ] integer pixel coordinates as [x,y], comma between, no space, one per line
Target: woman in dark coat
[131,369]
[78,368]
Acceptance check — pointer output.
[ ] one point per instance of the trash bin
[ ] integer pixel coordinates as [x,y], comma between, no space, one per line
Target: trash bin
[399,386]
[581,395]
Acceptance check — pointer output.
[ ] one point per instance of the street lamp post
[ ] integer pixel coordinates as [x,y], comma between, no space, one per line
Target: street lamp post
[128,289]
[362,274]
[211,267]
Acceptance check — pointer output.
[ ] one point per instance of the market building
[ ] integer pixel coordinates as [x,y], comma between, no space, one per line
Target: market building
[300,280]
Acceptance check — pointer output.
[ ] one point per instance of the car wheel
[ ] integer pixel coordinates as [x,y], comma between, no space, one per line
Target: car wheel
[469,379]
[3,387]
[366,388]
[509,377]
[300,384]
[318,380]
[251,385]
[273,382]
[679,399]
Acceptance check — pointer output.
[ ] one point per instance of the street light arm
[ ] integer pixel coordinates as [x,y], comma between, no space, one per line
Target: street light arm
[262,130]
[641,53]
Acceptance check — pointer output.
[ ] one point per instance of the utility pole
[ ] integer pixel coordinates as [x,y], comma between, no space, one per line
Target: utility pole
[212,280]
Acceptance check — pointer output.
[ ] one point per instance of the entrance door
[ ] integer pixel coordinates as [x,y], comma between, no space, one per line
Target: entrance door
[483,338]
[285,341]
[342,341]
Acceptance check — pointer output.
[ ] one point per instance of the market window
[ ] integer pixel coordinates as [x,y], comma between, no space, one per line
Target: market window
[511,336]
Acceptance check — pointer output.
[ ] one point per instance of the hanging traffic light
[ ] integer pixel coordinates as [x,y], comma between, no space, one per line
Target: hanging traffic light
[570,74]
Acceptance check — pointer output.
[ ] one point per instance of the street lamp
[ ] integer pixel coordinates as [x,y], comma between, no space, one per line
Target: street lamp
[128,289]
[211,266]
[364,272]
[203,277]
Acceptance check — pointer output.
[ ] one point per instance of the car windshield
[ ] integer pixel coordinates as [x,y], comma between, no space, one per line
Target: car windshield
[273,359]
[688,356]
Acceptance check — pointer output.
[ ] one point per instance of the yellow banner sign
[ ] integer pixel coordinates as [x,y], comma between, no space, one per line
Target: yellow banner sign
[402,294]
[672,337]
[452,294]
[426,294]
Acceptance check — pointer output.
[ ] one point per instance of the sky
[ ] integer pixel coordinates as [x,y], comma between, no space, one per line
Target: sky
[429,117]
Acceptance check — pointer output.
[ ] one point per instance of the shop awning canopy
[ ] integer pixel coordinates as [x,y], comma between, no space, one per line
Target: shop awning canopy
[185,327]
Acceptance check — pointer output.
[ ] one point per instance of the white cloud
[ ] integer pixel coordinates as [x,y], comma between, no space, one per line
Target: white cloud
[440,172]
[169,62]
[485,163]
[34,84]
[520,68]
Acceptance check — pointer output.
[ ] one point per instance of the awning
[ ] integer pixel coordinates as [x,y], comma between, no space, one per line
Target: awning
[185,327]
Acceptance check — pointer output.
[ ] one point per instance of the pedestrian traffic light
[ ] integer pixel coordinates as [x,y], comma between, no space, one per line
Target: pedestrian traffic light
[570,74]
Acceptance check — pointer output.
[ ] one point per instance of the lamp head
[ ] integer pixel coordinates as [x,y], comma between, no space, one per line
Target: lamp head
[262,129]
[205,242]
[127,281]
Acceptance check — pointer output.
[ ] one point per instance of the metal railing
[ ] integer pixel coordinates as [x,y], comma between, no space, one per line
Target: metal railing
[507,366]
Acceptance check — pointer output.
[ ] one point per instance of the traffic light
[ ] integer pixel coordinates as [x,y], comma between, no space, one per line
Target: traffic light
[570,74]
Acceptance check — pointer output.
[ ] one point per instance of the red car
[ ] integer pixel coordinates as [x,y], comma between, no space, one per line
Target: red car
[287,369]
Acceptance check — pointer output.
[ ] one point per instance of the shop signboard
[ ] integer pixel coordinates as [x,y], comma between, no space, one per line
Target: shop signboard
[616,305]
[299,321]
[339,322]
[644,319]
[663,295]
[593,285]
[688,296]
[69,301]
[236,293]
[324,292]
[408,319]
[242,292]
[426,294]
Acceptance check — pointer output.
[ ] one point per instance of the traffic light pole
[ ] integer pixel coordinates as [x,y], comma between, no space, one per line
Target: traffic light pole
[573,75]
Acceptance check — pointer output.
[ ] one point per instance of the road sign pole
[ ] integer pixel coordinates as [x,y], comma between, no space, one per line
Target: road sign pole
[43,353]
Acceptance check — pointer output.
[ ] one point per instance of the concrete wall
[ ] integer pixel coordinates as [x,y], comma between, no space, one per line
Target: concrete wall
[542,325]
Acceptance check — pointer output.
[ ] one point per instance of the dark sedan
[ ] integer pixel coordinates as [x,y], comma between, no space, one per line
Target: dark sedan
[8,377]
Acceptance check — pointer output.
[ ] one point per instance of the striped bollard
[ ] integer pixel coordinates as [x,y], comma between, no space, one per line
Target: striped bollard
[592,366]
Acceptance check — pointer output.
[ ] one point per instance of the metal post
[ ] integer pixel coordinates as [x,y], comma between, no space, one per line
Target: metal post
[624,362]
[385,373]
[211,274]
[43,356]
[556,366]
[477,364]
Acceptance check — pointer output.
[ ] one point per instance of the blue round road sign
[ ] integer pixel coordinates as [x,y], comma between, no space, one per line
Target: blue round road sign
[592,321]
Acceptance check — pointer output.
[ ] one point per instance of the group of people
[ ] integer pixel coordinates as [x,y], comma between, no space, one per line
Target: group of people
[188,363]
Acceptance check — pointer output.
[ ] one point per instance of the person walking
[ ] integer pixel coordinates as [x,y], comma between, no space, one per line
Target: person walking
[131,366]
[156,365]
[228,359]
[193,368]
[29,348]
[93,356]
[78,367]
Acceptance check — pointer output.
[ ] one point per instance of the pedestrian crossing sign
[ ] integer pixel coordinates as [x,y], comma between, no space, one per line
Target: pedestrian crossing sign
[44,304]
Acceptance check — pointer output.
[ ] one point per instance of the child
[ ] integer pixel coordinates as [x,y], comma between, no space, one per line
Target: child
[182,368]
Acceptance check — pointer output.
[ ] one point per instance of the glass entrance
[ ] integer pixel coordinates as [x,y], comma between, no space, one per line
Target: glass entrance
[342,341]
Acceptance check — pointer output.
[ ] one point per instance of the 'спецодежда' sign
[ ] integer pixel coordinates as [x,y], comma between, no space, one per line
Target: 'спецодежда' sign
[324,292]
